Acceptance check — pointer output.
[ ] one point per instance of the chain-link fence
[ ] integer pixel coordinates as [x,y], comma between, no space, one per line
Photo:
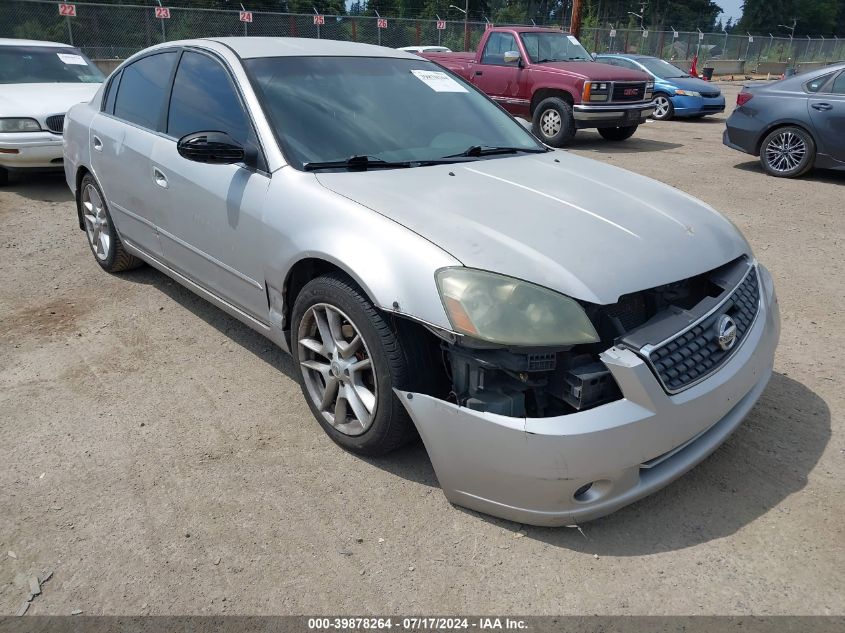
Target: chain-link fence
[682,45]
[117,31]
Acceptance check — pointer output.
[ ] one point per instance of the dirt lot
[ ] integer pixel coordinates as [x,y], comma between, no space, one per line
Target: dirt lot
[159,458]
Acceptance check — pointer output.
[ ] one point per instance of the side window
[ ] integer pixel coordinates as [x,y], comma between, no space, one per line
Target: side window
[497,45]
[816,84]
[839,85]
[626,63]
[142,92]
[204,99]
[111,93]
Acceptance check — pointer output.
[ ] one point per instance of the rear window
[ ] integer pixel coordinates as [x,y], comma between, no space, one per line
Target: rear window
[46,64]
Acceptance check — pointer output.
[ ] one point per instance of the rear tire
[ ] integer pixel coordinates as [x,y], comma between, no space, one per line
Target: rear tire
[102,235]
[553,122]
[333,308]
[618,133]
[787,152]
[4,177]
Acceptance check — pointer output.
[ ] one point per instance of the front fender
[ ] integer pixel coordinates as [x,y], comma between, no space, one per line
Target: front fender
[391,263]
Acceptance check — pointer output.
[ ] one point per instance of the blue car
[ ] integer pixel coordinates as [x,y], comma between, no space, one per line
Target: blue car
[676,94]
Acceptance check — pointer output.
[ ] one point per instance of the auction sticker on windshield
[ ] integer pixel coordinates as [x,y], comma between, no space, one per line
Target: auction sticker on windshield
[73,60]
[438,81]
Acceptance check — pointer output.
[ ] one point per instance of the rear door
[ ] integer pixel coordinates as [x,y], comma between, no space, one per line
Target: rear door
[827,112]
[122,138]
[211,227]
[495,77]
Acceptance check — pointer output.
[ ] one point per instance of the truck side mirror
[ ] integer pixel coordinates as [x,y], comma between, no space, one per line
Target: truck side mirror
[511,57]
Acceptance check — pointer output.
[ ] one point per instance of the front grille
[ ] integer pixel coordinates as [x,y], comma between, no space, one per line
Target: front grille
[55,123]
[696,353]
[710,95]
[625,91]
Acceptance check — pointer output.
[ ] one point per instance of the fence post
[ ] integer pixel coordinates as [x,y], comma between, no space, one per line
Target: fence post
[417,24]
[354,29]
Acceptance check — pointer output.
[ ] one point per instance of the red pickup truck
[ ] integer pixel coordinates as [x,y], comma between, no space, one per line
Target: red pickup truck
[548,78]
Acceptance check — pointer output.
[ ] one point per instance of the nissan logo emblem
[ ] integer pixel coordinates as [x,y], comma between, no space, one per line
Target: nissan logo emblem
[726,332]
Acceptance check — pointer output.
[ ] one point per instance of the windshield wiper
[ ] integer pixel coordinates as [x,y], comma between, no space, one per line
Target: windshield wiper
[360,161]
[488,150]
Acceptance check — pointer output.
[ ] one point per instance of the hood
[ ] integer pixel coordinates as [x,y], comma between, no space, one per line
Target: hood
[691,83]
[42,100]
[578,226]
[594,71]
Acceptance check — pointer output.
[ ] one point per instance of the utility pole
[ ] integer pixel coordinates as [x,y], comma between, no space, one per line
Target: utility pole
[575,25]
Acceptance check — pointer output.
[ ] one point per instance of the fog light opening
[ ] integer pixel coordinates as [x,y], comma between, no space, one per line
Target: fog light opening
[592,491]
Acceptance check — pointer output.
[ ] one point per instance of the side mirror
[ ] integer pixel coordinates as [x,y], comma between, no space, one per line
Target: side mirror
[214,148]
[593,55]
[511,57]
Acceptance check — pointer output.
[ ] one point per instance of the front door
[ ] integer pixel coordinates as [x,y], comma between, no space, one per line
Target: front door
[497,78]
[211,219]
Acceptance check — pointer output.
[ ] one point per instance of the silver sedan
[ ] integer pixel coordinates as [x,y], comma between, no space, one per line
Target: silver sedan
[565,336]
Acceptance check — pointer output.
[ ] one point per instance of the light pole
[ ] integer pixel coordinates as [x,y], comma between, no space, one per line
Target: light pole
[791,30]
[465,11]
[163,36]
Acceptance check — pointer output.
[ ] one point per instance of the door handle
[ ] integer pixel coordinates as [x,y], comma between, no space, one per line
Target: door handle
[478,73]
[824,107]
[159,178]
[98,144]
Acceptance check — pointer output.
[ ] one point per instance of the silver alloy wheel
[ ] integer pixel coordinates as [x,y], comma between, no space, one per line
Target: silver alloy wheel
[550,123]
[337,369]
[96,222]
[785,151]
[661,107]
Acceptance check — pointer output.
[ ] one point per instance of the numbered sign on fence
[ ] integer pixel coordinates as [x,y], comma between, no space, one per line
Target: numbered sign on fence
[488,26]
[701,37]
[612,32]
[674,35]
[441,25]
[67,9]
[319,20]
[162,13]
[381,23]
[750,39]
[645,34]
[246,16]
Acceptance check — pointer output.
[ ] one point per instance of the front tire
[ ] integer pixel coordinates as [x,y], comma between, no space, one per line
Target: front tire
[787,152]
[4,177]
[350,359]
[553,122]
[618,133]
[102,236]
[663,108]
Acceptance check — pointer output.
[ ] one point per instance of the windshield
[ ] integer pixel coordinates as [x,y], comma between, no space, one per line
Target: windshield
[662,69]
[328,109]
[553,47]
[43,64]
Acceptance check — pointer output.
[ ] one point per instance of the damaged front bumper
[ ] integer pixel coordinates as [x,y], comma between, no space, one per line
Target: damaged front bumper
[577,467]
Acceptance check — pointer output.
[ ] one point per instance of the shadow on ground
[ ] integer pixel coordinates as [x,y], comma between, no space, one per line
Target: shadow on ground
[767,459]
[589,140]
[828,176]
[42,186]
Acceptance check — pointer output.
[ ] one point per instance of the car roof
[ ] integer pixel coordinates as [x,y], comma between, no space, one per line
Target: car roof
[252,47]
[628,55]
[6,41]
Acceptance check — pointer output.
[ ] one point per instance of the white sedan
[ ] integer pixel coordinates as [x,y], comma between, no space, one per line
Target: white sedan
[39,82]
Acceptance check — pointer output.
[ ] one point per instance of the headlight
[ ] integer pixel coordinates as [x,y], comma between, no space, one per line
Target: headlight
[688,93]
[595,91]
[509,311]
[19,125]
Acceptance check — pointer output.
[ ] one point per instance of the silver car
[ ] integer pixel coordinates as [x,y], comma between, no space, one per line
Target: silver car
[565,336]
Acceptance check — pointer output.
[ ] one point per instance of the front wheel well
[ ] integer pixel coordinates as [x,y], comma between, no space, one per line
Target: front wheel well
[545,93]
[300,274]
[778,126]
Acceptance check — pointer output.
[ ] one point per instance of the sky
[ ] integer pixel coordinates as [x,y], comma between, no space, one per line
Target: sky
[730,8]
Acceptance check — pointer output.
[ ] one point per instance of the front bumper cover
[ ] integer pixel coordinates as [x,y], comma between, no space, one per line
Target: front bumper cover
[529,469]
[30,150]
[611,115]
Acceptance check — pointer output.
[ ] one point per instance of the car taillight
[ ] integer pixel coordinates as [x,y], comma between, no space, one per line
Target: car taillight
[743,97]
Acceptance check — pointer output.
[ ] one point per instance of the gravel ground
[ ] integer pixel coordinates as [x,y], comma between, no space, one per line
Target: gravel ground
[158,457]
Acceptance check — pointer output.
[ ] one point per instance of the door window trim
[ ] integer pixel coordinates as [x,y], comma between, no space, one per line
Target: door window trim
[516,48]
